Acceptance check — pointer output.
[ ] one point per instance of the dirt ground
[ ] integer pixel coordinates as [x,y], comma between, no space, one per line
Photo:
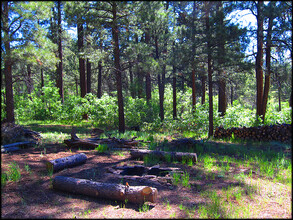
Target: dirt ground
[33,196]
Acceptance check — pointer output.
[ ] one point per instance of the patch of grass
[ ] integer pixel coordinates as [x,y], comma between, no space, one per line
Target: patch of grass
[212,209]
[27,168]
[150,160]
[173,215]
[185,180]
[102,148]
[167,204]
[144,207]
[168,158]
[3,179]
[176,178]
[13,173]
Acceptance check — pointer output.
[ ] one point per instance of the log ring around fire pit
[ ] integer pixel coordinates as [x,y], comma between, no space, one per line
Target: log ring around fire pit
[139,172]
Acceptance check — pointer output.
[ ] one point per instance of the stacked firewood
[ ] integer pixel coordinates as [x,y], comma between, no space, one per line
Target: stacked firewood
[281,132]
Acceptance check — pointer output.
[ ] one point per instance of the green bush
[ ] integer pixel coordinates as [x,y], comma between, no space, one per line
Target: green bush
[45,104]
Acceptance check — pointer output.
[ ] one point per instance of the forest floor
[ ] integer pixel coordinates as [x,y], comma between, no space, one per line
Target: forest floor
[33,197]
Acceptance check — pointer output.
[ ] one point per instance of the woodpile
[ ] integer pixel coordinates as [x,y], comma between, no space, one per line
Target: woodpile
[118,192]
[11,133]
[280,133]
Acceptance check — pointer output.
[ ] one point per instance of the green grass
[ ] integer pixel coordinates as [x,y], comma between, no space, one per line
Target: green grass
[264,164]
[12,174]
[144,207]
[102,148]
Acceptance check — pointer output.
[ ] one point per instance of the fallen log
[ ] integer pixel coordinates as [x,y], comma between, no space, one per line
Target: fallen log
[112,142]
[66,162]
[10,149]
[16,146]
[163,155]
[118,192]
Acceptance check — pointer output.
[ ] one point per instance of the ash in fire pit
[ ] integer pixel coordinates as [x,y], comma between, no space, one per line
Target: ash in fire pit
[139,170]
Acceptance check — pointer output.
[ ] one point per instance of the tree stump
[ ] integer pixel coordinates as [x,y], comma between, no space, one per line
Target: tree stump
[133,194]
[66,162]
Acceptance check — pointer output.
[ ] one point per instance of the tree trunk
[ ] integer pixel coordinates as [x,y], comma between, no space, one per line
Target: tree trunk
[7,66]
[259,60]
[66,162]
[148,84]
[222,94]
[133,194]
[211,126]
[81,60]
[232,91]
[115,33]
[222,99]
[161,100]
[99,93]
[60,66]
[268,65]
[88,75]
[29,83]
[76,85]
[203,89]
[174,96]
[148,87]
[192,60]
[279,98]
[193,90]
[162,155]
[131,88]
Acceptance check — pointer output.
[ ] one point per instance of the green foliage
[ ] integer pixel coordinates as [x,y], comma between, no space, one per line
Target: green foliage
[12,174]
[144,208]
[45,104]
[102,148]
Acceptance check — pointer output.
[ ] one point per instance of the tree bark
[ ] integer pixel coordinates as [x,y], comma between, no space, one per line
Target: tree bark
[193,90]
[174,96]
[81,60]
[222,99]
[259,60]
[133,194]
[211,126]
[203,89]
[99,93]
[115,33]
[268,64]
[178,156]
[232,97]
[29,83]
[7,65]
[193,61]
[148,85]
[88,75]
[66,162]
[60,53]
